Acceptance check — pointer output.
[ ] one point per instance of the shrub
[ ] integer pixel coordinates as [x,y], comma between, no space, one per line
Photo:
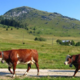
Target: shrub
[23,42]
[6,29]
[30,32]
[77,44]
[58,41]
[11,28]
[72,43]
[39,39]
[36,39]
[4,26]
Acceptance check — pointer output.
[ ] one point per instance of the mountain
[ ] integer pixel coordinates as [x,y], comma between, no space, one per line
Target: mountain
[44,23]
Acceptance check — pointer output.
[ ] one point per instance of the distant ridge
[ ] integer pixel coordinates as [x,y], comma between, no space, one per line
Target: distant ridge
[44,22]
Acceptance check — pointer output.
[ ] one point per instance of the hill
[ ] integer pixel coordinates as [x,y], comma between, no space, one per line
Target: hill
[51,26]
[44,23]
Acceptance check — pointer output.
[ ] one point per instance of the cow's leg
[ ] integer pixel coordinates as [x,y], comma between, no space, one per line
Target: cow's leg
[37,66]
[14,67]
[9,68]
[75,72]
[29,66]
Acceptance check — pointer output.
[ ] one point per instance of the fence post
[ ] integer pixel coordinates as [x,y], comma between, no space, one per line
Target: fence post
[52,41]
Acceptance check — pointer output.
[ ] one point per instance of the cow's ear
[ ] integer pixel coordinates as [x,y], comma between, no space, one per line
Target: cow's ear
[69,55]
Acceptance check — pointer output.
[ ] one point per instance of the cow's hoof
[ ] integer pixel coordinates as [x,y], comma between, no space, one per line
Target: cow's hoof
[24,74]
[13,76]
[38,74]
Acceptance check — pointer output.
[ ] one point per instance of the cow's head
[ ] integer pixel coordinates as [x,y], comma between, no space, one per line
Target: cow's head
[1,57]
[68,60]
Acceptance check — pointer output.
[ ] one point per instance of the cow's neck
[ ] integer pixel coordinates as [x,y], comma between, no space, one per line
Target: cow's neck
[2,61]
[2,55]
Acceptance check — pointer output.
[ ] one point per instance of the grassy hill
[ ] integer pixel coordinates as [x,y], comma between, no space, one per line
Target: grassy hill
[45,23]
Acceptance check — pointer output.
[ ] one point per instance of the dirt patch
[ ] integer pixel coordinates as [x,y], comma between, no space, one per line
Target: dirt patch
[4,73]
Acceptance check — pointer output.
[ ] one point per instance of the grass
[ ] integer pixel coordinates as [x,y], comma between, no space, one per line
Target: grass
[44,78]
[50,78]
[51,55]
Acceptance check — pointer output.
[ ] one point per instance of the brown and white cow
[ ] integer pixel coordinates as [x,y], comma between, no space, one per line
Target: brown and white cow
[14,57]
[73,60]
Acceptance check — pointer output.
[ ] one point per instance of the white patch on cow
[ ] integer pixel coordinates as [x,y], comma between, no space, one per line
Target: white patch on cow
[18,62]
[17,55]
[13,75]
[66,62]
[0,59]
[25,74]
[31,61]
[28,62]
[38,73]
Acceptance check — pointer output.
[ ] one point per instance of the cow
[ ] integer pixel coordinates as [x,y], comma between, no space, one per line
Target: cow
[73,60]
[16,56]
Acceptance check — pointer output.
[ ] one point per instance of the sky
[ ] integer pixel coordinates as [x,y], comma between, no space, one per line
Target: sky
[70,8]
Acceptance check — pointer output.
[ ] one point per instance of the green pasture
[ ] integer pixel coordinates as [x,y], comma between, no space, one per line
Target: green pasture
[44,78]
[51,54]
[49,78]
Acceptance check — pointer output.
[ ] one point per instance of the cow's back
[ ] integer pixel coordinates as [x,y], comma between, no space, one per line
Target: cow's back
[24,55]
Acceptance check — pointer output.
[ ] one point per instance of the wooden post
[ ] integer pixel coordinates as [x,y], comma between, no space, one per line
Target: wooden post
[52,41]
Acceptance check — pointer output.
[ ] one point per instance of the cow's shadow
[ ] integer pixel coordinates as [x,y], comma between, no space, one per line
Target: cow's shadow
[7,74]
[61,70]
[4,73]
[56,76]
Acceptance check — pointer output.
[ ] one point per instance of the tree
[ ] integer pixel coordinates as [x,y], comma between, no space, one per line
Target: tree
[58,41]
[77,44]
[36,39]
[34,28]
[6,29]
[11,28]
[72,43]
[11,22]
[39,39]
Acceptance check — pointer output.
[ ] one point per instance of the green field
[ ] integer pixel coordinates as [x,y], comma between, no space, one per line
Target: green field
[43,78]
[49,78]
[51,54]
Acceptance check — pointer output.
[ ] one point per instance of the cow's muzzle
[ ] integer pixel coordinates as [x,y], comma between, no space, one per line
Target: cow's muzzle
[66,62]
[2,61]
